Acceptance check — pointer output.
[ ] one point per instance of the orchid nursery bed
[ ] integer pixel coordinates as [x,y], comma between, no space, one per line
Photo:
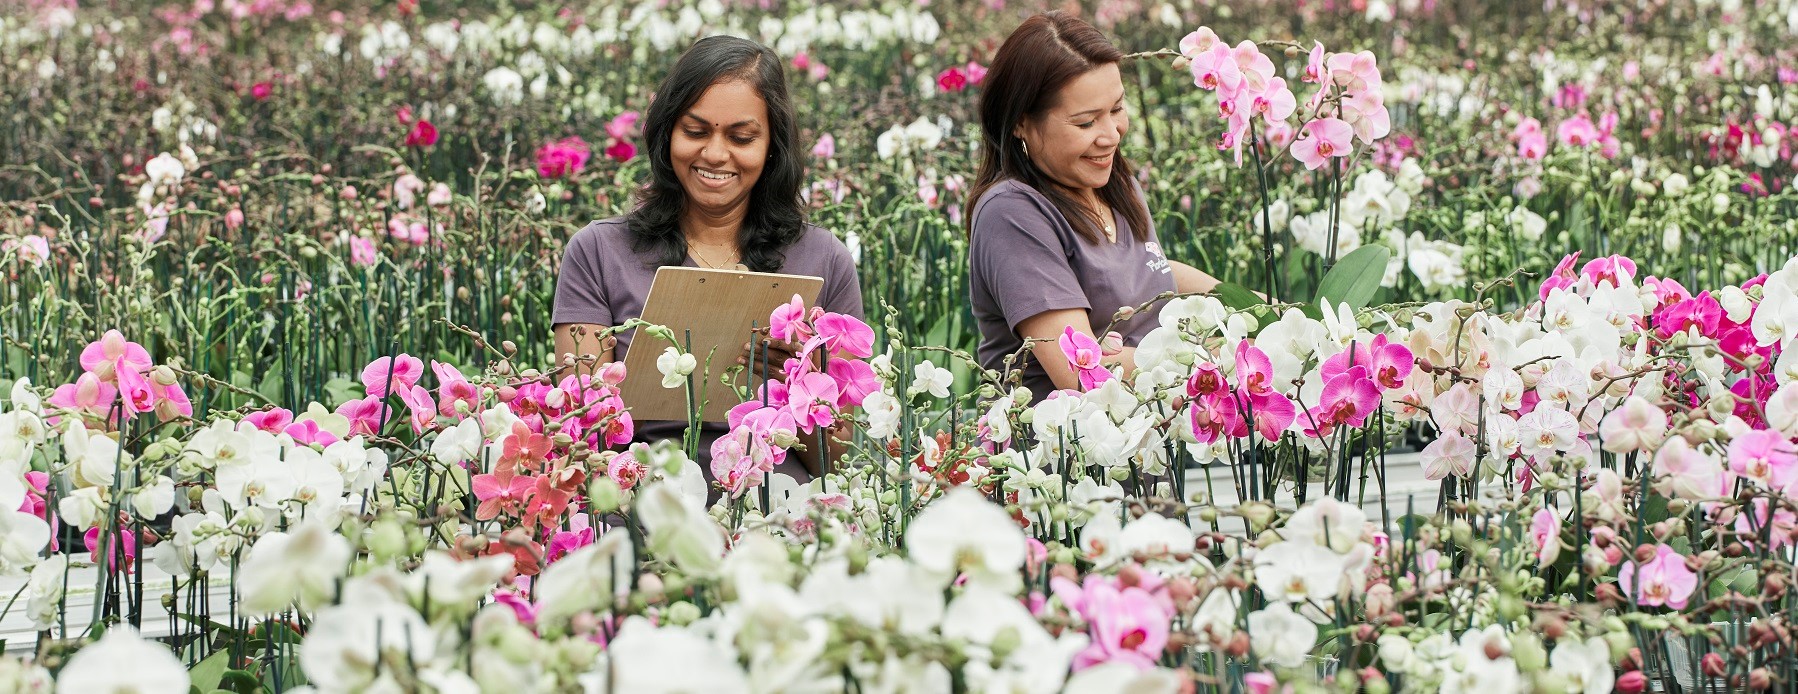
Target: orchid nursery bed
[1497,395]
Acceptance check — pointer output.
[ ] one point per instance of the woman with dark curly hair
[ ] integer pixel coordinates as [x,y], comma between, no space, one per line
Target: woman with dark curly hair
[726,169]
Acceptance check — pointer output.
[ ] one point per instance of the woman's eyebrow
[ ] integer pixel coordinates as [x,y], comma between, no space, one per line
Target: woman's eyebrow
[737,124]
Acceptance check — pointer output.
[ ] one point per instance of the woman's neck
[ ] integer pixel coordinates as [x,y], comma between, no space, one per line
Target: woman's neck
[719,230]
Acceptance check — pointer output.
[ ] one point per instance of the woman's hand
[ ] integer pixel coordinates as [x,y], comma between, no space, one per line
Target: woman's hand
[771,352]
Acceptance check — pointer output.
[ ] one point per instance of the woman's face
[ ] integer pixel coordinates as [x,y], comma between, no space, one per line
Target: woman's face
[720,146]
[1076,139]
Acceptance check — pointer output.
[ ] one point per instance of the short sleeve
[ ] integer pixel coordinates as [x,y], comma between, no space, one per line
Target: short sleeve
[1022,260]
[580,291]
[842,286]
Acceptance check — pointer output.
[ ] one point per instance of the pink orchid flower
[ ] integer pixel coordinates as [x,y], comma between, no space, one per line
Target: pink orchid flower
[1254,370]
[1084,354]
[623,125]
[826,147]
[1613,269]
[580,534]
[134,389]
[1664,580]
[101,356]
[1317,69]
[452,389]
[1545,531]
[124,543]
[365,415]
[1198,42]
[503,490]
[401,373]
[1322,139]
[308,432]
[846,334]
[88,395]
[1275,103]
[1355,72]
[1562,277]
[1127,625]
[855,381]
[1272,413]
[626,471]
[1216,68]
[1764,456]
[1256,68]
[1214,416]
[272,420]
[810,400]
[787,322]
[1348,398]
[734,461]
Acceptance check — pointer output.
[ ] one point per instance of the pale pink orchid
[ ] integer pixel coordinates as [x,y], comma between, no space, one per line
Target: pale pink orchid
[1545,531]
[1578,131]
[1317,70]
[1684,472]
[1662,581]
[1321,140]
[1197,42]
[826,147]
[364,252]
[31,248]
[1636,425]
[737,461]
[1256,68]
[1452,453]
[112,349]
[1765,457]
[623,125]
[1275,103]
[626,471]
[1356,73]
[1216,68]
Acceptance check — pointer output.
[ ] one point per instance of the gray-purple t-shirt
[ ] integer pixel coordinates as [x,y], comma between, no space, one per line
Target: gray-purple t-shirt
[604,282]
[1026,259]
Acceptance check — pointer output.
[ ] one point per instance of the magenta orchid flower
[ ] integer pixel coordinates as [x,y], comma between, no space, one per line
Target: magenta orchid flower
[1084,354]
[88,395]
[1127,624]
[272,420]
[1215,416]
[1254,370]
[855,381]
[788,322]
[626,471]
[308,433]
[122,543]
[1317,69]
[846,334]
[1562,277]
[134,389]
[1272,413]
[1348,398]
[1662,581]
[1205,380]
[365,415]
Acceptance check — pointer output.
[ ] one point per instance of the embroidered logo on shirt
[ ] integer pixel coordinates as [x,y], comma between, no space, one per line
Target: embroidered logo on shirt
[1159,262]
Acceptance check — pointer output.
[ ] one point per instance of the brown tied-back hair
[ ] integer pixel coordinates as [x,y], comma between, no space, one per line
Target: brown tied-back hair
[1041,56]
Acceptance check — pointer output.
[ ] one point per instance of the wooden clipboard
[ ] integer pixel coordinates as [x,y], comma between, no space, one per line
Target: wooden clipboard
[716,309]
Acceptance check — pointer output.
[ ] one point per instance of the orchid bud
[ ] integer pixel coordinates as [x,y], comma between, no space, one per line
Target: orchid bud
[1112,344]
[163,375]
[1632,682]
[682,613]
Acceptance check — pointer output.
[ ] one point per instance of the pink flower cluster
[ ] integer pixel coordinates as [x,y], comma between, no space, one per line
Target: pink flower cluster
[119,378]
[1346,107]
[619,132]
[1126,616]
[955,79]
[1354,382]
[562,158]
[826,376]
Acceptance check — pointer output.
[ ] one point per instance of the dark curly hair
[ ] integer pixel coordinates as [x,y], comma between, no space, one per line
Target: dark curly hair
[776,216]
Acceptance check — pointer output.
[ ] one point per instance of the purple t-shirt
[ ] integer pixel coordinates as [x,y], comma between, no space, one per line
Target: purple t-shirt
[604,282]
[1026,259]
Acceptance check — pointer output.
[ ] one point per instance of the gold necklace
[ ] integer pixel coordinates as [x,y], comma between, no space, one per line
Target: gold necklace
[1109,221]
[707,262]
